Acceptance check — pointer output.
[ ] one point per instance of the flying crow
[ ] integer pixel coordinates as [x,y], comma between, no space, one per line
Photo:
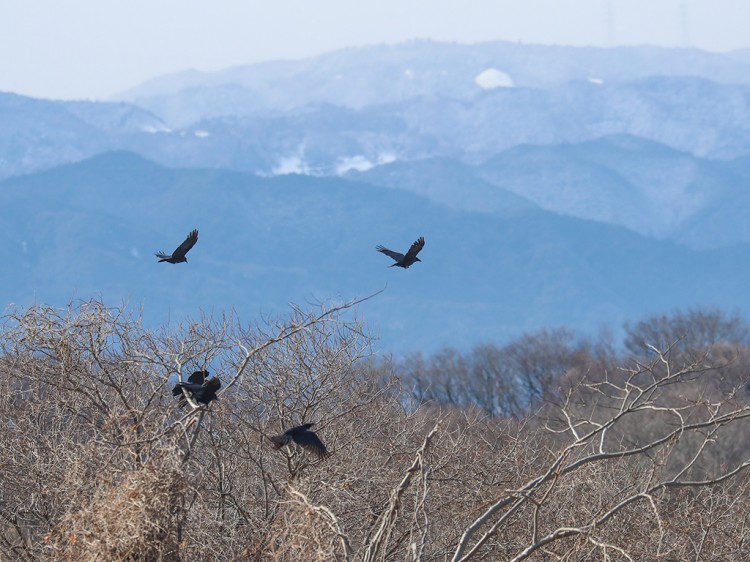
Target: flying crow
[201,388]
[302,436]
[404,260]
[178,256]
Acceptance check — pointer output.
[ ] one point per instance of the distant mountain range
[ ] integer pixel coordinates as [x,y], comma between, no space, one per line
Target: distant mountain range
[554,185]
[388,74]
[359,108]
[703,118]
[91,229]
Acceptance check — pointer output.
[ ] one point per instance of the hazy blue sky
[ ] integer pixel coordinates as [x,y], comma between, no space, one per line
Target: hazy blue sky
[95,48]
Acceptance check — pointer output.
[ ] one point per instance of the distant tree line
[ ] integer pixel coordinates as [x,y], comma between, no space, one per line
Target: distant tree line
[515,379]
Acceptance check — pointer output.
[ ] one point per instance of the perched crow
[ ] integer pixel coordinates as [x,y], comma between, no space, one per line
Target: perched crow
[302,436]
[197,377]
[404,260]
[202,392]
[178,256]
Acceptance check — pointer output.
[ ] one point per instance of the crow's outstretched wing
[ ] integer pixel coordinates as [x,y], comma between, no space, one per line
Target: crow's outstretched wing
[213,384]
[303,437]
[196,378]
[206,392]
[415,249]
[184,248]
[310,441]
[177,390]
[203,393]
[191,386]
[280,440]
[390,253]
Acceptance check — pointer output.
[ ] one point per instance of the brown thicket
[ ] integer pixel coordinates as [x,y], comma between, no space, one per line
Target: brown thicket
[546,448]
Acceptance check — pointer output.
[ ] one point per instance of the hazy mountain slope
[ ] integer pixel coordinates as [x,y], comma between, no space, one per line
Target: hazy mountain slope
[448,183]
[38,133]
[625,180]
[740,55]
[376,74]
[562,179]
[724,221]
[92,228]
[690,114]
[622,179]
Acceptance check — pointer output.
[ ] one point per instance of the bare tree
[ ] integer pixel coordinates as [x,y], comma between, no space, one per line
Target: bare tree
[593,436]
[584,461]
[692,330]
[511,380]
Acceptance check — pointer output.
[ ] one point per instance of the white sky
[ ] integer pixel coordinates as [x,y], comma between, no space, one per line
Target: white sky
[91,49]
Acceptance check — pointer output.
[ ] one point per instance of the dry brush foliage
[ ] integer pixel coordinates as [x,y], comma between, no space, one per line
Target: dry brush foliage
[591,461]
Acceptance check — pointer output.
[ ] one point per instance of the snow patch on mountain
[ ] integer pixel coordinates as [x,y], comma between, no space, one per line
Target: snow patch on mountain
[360,163]
[290,165]
[348,163]
[493,78]
[155,127]
[386,158]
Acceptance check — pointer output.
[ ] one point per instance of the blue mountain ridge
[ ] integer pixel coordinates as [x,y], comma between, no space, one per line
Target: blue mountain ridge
[690,114]
[90,229]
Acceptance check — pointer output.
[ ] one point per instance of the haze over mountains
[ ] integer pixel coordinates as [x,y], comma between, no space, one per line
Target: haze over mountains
[376,75]
[553,185]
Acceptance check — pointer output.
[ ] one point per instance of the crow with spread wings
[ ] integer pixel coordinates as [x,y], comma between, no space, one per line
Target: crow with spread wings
[404,260]
[302,436]
[178,256]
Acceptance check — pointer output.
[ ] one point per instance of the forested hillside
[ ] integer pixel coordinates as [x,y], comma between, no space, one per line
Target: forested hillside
[92,228]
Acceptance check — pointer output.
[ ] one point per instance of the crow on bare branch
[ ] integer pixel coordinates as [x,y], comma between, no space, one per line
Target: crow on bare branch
[201,388]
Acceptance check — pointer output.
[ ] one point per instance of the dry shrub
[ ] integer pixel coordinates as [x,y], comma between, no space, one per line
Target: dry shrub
[302,532]
[131,516]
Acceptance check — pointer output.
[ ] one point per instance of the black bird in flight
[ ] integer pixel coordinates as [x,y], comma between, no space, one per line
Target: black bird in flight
[201,388]
[404,260]
[303,437]
[178,256]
